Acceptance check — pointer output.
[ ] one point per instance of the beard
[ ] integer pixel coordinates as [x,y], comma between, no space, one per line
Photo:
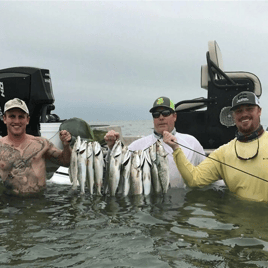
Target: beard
[248,129]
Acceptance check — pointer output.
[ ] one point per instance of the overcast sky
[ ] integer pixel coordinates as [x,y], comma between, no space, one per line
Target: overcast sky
[110,60]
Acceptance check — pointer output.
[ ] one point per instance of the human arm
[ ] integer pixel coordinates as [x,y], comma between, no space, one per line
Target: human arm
[61,157]
[194,176]
[110,138]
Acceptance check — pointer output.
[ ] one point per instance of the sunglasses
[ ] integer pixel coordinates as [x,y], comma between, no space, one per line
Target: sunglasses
[165,113]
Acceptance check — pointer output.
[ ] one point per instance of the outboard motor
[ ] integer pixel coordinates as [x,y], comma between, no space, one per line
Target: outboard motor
[33,85]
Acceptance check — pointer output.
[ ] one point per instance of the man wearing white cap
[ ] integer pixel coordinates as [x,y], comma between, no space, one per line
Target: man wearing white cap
[242,162]
[22,156]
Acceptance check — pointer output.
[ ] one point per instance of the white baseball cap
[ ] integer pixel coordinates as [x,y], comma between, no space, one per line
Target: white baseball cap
[16,103]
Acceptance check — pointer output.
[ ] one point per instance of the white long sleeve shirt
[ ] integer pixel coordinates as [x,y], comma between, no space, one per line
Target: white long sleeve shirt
[183,139]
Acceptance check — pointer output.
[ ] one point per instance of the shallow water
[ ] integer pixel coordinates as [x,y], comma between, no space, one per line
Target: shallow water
[182,229]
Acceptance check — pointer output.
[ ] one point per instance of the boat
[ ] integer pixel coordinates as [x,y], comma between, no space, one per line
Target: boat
[208,119]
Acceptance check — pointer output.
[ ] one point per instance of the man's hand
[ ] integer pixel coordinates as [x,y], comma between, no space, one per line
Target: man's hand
[110,138]
[170,140]
[65,137]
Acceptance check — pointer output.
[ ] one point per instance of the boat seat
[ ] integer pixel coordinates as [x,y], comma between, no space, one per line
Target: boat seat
[215,54]
[233,75]
[215,57]
[194,104]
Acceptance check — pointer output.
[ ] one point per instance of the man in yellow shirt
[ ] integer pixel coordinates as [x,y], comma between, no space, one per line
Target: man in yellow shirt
[242,163]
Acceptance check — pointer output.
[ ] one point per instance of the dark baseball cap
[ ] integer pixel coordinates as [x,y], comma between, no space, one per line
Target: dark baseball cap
[163,102]
[245,97]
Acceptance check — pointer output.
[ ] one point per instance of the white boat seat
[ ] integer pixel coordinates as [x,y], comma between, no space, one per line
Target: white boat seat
[233,75]
[216,57]
[251,76]
[204,77]
[215,54]
[191,105]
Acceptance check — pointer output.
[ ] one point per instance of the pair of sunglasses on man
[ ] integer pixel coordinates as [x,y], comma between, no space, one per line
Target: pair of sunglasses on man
[165,113]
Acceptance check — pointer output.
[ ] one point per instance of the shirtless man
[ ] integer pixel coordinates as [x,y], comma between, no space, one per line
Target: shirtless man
[23,157]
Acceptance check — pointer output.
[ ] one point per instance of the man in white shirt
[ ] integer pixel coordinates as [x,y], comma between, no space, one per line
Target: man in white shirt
[164,118]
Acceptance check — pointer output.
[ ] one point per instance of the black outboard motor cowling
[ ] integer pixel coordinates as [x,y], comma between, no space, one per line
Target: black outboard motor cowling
[33,85]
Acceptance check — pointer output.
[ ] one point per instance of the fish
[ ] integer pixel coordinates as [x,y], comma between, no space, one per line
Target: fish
[154,171]
[136,174]
[162,166]
[125,172]
[79,142]
[73,163]
[146,171]
[81,166]
[106,172]
[90,167]
[114,167]
[98,166]
[121,181]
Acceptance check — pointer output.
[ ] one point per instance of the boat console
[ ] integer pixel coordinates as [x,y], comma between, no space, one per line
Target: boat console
[209,119]
[33,85]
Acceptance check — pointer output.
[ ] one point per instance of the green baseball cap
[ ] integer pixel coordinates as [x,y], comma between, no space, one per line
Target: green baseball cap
[163,102]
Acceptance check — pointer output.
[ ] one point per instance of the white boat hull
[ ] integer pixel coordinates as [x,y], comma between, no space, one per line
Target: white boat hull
[61,176]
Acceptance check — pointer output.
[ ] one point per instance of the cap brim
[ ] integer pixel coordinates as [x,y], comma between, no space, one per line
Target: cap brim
[245,103]
[164,106]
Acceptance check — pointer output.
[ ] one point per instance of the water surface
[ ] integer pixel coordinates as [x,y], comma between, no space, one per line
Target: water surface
[185,228]
[182,229]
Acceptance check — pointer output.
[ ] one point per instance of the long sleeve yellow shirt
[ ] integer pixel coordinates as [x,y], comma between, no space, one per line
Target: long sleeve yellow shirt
[241,179]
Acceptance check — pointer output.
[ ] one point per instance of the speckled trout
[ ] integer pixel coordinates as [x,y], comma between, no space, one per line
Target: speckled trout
[154,171]
[73,163]
[114,167]
[162,166]
[136,174]
[125,172]
[146,171]
[81,166]
[90,168]
[98,166]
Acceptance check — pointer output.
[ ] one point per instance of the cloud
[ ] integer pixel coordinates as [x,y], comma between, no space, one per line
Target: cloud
[110,60]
